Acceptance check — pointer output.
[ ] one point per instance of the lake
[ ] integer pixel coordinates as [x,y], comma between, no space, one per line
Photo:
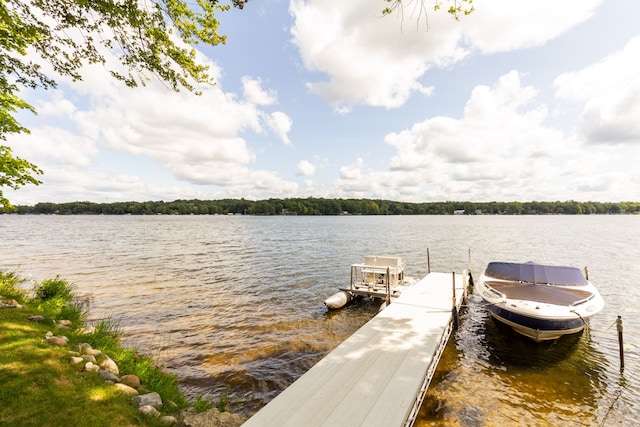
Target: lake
[233,304]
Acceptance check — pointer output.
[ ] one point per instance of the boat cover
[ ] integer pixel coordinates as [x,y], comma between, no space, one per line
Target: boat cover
[531,272]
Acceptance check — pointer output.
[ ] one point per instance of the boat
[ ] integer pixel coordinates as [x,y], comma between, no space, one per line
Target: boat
[541,302]
[378,277]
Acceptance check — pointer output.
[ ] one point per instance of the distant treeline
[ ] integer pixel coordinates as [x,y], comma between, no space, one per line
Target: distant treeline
[320,206]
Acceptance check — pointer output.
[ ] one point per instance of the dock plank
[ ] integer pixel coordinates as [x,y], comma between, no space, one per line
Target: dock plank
[374,377]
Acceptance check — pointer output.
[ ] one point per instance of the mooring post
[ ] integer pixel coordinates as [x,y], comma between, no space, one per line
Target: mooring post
[586,273]
[620,340]
[428,262]
[454,310]
[388,286]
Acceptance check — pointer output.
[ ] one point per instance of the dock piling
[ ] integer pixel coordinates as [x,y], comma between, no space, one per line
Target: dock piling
[454,309]
[620,340]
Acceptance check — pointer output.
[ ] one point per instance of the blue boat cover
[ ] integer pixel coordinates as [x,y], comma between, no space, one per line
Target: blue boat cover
[531,272]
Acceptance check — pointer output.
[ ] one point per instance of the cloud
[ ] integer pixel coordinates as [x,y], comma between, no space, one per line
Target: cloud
[610,94]
[254,93]
[369,60]
[502,149]
[196,139]
[280,124]
[306,168]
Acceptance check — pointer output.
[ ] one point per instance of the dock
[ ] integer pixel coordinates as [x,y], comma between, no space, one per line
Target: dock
[380,374]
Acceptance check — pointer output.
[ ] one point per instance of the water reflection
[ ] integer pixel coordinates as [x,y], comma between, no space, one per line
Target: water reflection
[490,375]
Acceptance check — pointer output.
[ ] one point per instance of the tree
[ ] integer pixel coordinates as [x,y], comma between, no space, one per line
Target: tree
[457,8]
[14,173]
[153,38]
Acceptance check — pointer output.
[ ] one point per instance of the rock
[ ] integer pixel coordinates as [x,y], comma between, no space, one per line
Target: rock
[91,367]
[92,352]
[126,389]
[150,399]
[89,358]
[61,341]
[48,334]
[76,360]
[109,365]
[36,318]
[168,420]
[212,418]
[10,304]
[108,376]
[149,410]
[82,348]
[64,323]
[130,380]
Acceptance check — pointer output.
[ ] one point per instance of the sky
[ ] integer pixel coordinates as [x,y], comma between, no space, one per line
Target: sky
[519,101]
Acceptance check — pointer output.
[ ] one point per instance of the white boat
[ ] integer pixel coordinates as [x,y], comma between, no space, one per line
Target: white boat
[542,302]
[380,277]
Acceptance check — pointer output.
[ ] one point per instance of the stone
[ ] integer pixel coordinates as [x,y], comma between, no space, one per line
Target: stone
[212,418]
[108,376]
[76,360]
[36,318]
[168,420]
[89,358]
[126,389]
[149,410]
[60,341]
[130,380]
[63,323]
[92,352]
[91,367]
[109,365]
[150,399]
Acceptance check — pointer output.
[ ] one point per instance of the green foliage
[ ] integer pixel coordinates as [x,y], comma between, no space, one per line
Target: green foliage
[321,206]
[57,288]
[14,171]
[8,287]
[223,401]
[458,9]
[201,404]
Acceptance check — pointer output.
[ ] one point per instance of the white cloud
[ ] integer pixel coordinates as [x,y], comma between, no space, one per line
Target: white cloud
[502,149]
[381,61]
[610,93]
[502,26]
[306,168]
[280,124]
[254,93]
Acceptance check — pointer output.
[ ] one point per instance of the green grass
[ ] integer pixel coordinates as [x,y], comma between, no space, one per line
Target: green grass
[39,387]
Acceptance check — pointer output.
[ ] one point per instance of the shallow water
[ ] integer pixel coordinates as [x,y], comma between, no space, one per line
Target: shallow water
[234,304]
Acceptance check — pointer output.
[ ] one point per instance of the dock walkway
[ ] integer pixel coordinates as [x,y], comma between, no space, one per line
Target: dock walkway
[379,375]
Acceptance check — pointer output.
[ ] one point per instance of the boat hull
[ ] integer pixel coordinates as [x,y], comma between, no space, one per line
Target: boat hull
[535,328]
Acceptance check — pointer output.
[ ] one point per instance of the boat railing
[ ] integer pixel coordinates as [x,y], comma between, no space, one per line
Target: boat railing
[582,301]
[376,275]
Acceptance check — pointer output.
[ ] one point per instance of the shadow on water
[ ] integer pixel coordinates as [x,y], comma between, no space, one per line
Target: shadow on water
[491,375]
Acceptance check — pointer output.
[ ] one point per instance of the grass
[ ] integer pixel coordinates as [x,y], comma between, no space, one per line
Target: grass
[39,387]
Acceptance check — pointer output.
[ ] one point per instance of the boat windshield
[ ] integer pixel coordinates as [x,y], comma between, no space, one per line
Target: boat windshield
[531,272]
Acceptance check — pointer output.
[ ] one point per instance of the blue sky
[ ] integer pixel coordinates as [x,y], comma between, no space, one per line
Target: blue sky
[518,101]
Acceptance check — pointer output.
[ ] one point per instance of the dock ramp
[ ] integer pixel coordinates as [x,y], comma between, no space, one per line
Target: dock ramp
[379,375]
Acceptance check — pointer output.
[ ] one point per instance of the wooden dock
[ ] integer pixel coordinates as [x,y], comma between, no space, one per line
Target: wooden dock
[380,374]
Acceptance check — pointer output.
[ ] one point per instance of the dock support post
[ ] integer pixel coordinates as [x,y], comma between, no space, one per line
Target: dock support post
[428,262]
[454,310]
[620,340]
